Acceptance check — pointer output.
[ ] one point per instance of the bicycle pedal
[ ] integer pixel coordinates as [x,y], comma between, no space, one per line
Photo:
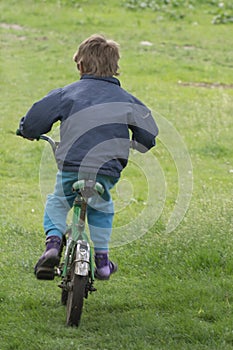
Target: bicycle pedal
[45,273]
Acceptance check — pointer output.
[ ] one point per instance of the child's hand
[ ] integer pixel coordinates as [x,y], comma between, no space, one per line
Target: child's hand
[19,133]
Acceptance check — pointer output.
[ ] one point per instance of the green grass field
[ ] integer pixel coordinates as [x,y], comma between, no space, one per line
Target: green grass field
[174,290]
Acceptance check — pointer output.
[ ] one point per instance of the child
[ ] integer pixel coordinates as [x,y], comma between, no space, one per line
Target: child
[95,116]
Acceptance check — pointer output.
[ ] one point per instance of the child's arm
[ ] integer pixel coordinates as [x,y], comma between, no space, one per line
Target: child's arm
[41,116]
[144,129]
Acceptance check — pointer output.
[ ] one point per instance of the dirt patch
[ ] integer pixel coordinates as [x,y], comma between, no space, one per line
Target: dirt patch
[42,38]
[189,47]
[207,85]
[11,26]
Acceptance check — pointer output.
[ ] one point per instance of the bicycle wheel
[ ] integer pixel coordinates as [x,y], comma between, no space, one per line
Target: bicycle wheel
[64,297]
[75,299]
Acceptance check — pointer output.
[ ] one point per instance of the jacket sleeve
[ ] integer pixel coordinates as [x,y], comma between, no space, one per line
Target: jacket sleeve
[42,115]
[143,127]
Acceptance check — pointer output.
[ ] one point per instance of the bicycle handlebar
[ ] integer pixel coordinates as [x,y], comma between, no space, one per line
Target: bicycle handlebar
[53,144]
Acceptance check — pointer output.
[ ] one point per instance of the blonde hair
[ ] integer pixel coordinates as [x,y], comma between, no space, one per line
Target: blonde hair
[98,56]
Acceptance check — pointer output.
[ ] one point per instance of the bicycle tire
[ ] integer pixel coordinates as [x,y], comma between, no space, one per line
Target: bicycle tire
[64,297]
[75,299]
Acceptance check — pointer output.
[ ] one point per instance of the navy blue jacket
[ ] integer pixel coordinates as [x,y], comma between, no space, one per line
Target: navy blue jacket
[97,119]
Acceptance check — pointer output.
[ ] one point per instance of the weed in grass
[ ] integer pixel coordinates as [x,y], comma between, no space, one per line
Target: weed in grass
[177,10]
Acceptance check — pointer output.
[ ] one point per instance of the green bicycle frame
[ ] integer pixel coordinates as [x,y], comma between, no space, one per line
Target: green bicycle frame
[78,225]
[77,233]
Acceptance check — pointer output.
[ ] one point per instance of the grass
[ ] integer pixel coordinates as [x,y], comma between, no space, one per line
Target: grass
[173,290]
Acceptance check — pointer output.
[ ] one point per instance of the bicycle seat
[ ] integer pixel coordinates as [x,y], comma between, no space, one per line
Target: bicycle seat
[88,188]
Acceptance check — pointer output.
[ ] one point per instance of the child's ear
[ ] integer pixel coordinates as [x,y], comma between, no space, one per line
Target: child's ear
[80,66]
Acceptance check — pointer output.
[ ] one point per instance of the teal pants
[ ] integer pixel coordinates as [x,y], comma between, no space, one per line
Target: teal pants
[100,210]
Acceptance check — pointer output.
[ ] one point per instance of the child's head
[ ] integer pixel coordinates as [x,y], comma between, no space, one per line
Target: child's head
[98,56]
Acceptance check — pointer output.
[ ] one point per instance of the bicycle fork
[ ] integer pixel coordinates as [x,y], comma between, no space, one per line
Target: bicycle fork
[78,252]
[83,252]
[82,260]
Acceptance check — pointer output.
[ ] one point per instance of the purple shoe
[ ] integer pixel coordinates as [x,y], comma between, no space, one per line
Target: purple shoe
[104,267]
[44,268]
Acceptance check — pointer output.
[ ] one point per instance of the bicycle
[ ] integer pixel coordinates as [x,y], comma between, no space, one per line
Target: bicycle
[77,267]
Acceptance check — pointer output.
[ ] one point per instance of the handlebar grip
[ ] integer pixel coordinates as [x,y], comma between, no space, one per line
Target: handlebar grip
[18,133]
